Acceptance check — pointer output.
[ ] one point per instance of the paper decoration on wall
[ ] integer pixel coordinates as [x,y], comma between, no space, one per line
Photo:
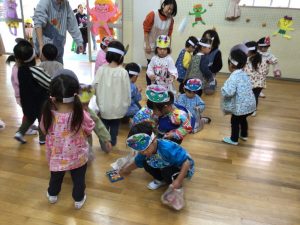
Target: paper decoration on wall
[233,11]
[104,12]
[198,10]
[284,25]
[248,20]
[11,16]
[264,24]
[210,4]
[183,24]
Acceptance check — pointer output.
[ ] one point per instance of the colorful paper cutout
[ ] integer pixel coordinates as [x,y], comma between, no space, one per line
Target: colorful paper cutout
[11,16]
[284,25]
[198,10]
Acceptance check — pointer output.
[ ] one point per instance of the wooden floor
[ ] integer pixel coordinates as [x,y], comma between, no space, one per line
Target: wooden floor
[255,183]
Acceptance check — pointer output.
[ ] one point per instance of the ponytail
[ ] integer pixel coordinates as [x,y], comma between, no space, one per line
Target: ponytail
[47,114]
[77,117]
[255,60]
[10,59]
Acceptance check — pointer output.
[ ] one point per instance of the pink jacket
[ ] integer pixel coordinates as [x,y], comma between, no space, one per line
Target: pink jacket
[15,83]
[100,59]
[67,150]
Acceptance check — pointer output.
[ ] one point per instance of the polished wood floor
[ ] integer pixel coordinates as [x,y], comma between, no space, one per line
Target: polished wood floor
[255,183]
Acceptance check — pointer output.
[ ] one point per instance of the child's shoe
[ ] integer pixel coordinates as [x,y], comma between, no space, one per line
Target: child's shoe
[229,141]
[262,95]
[155,184]
[51,199]
[78,205]
[19,137]
[31,131]
[244,138]
[42,142]
[2,125]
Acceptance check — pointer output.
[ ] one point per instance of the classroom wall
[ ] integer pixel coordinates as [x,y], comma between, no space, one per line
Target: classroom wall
[231,32]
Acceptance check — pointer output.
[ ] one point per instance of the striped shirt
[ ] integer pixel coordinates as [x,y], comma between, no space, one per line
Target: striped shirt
[41,76]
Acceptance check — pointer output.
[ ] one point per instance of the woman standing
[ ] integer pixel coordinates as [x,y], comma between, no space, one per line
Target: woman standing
[156,23]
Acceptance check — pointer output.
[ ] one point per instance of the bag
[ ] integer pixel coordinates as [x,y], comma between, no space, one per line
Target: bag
[199,123]
[210,88]
[123,161]
[173,198]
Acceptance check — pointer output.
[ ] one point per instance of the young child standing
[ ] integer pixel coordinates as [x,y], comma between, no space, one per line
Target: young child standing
[33,84]
[166,161]
[49,63]
[192,102]
[199,66]
[134,70]
[254,69]
[267,59]
[112,86]
[161,69]
[185,57]
[67,127]
[101,56]
[215,59]
[238,97]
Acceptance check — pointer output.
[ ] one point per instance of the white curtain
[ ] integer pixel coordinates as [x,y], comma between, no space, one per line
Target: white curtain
[233,11]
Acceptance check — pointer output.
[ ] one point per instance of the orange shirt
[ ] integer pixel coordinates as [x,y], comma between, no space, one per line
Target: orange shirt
[149,20]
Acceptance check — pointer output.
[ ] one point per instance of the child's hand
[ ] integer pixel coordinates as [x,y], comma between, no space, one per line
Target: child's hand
[140,89]
[168,136]
[124,172]
[108,146]
[152,77]
[176,184]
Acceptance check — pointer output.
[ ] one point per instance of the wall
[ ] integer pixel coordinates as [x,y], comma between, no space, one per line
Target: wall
[231,33]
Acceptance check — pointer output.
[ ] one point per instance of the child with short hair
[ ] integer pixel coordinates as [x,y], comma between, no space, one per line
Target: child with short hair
[267,59]
[173,120]
[254,69]
[192,102]
[199,66]
[215,59]
[112,85]
[86,93]
[238,97]
[32,83]
[134,70]
[101,56]
[67,127]
[166,161]
[49,63]
[161,69]
[185,57]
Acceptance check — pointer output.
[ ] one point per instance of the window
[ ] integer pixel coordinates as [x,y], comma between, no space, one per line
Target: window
[293,4]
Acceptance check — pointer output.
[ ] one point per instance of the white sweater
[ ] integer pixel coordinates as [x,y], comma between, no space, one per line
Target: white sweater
[113,95]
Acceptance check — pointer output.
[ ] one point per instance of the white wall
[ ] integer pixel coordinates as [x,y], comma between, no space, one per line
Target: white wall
[231,33]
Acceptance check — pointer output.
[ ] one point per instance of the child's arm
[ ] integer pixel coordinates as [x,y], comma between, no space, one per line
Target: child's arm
[181,118]
[177,183]
[207,74]
[87,123]
[150,72]
[186,60]
[200,104]
[99,128]
[127,170]
[229,88]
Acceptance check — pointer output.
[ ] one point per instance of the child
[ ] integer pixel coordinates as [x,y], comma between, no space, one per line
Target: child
[112,87]
[49,63]
[101,56]
[86,93]
[166,161]
[134,70]
[28,30]
[192,102]
[238,96]
[267,59]
[185,57]
[173,121]
[254,69]
[161,69]
[33,85]
[215,59]
[199,66]
[66,126]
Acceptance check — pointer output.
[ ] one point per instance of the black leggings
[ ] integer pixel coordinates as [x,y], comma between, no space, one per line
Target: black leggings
[256,92]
